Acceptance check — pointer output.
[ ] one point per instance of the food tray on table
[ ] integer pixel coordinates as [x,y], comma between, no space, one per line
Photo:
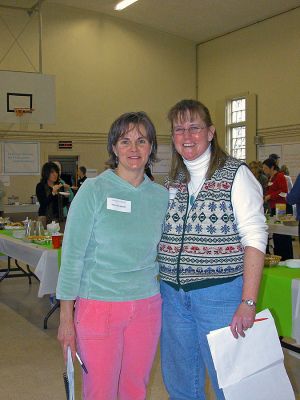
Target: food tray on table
[271,260]
[38,239]
[13,225]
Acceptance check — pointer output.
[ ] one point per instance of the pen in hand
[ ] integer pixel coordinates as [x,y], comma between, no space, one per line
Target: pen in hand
[81,363]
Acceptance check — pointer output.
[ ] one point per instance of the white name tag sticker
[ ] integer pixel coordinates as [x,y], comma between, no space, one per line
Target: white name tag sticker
[118,205]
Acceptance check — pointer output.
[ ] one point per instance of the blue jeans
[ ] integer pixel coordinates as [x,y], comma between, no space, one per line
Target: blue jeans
[186,319]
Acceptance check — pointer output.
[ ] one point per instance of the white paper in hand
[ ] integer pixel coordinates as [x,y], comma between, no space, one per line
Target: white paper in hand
[70,373]
[251,362]
[271,383]
[236,359]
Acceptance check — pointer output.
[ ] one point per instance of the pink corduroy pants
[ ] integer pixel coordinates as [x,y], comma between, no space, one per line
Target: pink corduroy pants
[117,342]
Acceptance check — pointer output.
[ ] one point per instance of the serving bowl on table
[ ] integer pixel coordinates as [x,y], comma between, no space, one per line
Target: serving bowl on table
[271,260]
[290,222]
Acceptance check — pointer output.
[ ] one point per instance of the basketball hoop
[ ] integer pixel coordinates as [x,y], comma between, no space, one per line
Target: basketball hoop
[21,111]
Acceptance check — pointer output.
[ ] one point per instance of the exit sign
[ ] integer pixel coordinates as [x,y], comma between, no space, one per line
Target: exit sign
[65,144]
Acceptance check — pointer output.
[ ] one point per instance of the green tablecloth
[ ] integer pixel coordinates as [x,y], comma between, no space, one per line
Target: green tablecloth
[48,246]
[276,294]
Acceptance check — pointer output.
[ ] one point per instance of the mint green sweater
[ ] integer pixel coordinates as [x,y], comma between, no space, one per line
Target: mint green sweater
[107,254]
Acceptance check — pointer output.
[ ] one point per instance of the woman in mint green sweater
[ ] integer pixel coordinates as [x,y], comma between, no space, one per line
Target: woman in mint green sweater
[109,267]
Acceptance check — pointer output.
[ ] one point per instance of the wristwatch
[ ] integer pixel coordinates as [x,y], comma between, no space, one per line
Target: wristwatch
[249,302]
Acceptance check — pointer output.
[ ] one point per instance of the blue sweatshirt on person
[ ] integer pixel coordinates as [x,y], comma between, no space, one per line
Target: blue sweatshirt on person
[110,242]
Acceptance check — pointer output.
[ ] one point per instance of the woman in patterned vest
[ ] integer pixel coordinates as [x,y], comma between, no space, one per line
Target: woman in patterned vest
[211,253]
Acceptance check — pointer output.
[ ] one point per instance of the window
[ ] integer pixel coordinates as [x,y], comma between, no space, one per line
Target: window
[236,128]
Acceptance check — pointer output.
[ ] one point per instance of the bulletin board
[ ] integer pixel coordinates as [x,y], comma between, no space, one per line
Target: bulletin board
[289,155]
[21,158]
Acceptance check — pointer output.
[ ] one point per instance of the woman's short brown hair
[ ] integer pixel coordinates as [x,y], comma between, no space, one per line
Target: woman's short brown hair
[180,112]
[121,126]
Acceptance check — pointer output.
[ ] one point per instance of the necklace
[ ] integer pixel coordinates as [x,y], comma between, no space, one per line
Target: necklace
[192,196]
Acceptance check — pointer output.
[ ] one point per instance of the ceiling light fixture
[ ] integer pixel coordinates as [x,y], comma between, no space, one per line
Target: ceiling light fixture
[123,4]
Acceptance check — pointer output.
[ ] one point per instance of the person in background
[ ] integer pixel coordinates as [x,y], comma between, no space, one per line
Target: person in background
[285,170]
[67,189]
[47,192]
[277,185]
[211,253]
[109,267]
[276,194]
[66,178]
[81,175]
[257,170]
[293,197]
[288,179]
[2,194]
[81,178]
[275,157]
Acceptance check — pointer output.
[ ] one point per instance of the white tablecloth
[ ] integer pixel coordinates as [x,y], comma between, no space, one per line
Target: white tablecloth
[283,229]
[43,260]
[20,208]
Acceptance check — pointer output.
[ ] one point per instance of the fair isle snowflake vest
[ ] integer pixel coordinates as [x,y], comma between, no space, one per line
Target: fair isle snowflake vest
[202,244]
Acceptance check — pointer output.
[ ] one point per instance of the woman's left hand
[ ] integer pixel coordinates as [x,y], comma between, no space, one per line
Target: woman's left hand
[242,320]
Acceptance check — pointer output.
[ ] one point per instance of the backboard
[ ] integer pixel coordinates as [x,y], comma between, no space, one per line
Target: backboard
[27,91]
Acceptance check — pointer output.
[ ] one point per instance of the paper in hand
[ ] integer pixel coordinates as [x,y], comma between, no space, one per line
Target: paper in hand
[249,365]
[70,374]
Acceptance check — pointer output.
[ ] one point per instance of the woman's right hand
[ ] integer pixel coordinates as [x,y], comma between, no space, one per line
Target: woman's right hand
[66,337]
[66,330]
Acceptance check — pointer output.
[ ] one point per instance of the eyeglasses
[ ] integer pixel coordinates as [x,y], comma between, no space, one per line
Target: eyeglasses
[193,130]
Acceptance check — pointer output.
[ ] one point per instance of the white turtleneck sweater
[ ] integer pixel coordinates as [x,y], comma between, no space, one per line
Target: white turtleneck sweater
[246,198]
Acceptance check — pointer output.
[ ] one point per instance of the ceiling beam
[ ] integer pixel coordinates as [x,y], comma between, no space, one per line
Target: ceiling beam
[30,10]
[35,7]
[14,7]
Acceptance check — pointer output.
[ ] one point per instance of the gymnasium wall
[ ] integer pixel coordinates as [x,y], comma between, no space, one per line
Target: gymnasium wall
[263,59]
[104,66]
